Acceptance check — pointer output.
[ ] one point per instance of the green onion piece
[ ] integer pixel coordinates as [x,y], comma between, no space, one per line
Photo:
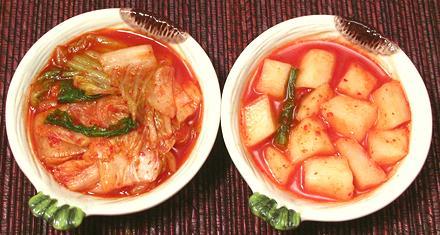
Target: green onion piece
[286,116]
[70,94]
[63,119]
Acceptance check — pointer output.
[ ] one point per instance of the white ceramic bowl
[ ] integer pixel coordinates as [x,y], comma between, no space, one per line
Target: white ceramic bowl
[398,66]
[37,57]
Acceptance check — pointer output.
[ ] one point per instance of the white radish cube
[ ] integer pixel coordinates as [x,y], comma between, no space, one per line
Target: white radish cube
[316,68]
[357,82]
[308,138]
[311,103]
[257,120]
[274,76]
[278,164]
[366,172]
[393,108]
[389,146]
[348,116]
[328,176]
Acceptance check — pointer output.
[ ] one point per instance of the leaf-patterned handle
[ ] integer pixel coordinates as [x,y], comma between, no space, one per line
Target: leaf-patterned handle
[279,218]
[63,217]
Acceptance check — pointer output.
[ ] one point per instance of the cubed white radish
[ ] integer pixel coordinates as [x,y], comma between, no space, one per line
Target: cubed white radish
[274,76]
[329,176]
[142,54]
[366,172]
[316,68]
[348,116]
[307,139]
[311,104]
[257,120]
[393,108]
[278,164]
[357,82]
[388,146]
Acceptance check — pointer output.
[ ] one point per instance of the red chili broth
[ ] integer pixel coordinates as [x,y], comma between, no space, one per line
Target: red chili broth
[183,72]
[292,54]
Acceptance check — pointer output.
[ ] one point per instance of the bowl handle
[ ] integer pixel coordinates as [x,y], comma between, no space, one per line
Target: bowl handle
[279,218]
[63,217]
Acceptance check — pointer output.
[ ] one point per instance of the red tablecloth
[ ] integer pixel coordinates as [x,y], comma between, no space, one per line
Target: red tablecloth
[215,201]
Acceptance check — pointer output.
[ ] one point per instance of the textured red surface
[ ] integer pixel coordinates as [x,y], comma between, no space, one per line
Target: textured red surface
[215,201]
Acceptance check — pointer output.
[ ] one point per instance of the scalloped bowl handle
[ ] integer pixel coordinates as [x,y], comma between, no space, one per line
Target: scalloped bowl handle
[267,209]
[63,217]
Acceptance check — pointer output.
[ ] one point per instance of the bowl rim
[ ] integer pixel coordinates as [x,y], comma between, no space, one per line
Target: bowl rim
[190,50]
[322,211]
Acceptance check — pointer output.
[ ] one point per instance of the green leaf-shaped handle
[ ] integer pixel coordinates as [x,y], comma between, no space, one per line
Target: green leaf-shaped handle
[279,218]
[63,217]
